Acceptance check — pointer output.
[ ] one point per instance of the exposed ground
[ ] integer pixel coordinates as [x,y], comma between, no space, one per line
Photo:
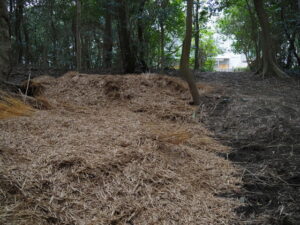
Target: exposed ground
[260,120]
[113,150]
[130,150]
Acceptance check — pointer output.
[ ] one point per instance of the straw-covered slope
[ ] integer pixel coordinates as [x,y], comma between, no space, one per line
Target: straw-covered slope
[113,150]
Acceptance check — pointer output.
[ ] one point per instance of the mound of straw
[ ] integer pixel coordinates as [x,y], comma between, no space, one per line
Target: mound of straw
[114,150]
[12,107]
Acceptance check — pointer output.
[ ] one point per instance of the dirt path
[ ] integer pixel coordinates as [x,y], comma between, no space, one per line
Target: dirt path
[260,119]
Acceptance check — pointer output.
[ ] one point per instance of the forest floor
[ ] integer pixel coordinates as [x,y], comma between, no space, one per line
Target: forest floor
[131,150]
[260,120]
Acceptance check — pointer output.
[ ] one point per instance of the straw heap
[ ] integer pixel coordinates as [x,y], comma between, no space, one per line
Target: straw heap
[113,150]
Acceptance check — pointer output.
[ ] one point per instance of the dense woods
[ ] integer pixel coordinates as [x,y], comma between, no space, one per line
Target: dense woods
[135,36]
[5,41]
[96,34]
[267,32]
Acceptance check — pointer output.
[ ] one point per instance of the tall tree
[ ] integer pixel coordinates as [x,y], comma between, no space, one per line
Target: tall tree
[290,36]
[141,38]
[27,41]
[128,56]
[107,39]
[10,15]
[85,43]
[270,67]
[185,56]
[254,38]
[19,20]
[163,4]
[5,41]
[53,31]
[78,36]
[197,36]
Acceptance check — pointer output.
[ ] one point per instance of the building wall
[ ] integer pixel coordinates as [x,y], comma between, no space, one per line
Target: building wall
[230,62]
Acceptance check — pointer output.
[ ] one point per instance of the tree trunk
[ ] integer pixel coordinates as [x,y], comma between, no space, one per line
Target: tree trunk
[163,4]
[19,19]
[289,58]
[184,70]
[291,38]
[292,49]
[254,66]
[270,67]
[128,56]
[78,39]
[54,33]
[100,50]
[11,5]
[141,47]
[5,46]
[44,57]
[162,45]
[107,39]
[197,37]
[86,52]
[27,53]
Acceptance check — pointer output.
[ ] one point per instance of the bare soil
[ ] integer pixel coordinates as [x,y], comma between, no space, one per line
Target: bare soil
[260,120]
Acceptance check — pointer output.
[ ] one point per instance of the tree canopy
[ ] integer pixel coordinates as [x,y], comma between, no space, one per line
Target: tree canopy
[138,35]
[240,21]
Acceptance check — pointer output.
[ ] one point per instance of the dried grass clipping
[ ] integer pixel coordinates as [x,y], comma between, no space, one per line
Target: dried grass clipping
[113,150]
[12,107]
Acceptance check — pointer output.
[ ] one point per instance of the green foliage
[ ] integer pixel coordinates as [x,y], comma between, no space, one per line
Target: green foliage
[236,24]
[48,31]
[51,29]
[241,69]
[208,50]
[173,18]
[239,21]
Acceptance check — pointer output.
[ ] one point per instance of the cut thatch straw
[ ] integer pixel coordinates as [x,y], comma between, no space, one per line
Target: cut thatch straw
[114,150]
[12,107]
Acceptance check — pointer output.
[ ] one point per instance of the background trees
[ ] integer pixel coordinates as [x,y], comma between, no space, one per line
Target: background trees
[271,28]
[4,41]
[135,35]
[121,35]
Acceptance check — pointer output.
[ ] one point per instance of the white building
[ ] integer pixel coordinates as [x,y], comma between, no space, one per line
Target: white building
[229,62]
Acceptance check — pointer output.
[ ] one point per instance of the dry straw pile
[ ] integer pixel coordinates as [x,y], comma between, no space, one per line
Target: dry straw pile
[113,150]
[12,107]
